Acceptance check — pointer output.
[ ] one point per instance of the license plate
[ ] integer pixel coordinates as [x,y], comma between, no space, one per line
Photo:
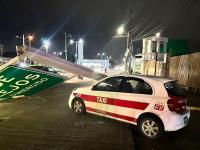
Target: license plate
[185,120]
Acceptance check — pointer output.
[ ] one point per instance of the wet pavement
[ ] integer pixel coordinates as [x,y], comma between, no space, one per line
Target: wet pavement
[187,138]
[45,122]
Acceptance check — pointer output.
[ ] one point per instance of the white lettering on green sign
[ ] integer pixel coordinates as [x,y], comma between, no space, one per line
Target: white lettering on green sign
[17,84]
[33,77]
[3,79]
[15,81]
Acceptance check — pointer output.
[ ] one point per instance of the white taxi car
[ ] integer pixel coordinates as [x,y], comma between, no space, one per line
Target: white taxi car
[153,104]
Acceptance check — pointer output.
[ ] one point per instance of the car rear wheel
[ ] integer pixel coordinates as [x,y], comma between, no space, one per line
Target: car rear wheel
[78,106]
[151,127]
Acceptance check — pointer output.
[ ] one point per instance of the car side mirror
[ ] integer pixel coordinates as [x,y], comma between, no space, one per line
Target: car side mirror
[93,87]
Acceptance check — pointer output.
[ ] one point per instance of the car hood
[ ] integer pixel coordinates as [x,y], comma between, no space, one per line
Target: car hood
[82,90]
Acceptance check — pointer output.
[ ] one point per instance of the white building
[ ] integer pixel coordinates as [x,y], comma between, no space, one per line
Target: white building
[94,64]
[153,48]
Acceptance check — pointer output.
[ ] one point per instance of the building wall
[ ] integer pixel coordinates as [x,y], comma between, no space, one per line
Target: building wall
[94,63]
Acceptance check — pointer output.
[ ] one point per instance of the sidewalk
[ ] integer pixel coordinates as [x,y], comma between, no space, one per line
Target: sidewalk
[193,101]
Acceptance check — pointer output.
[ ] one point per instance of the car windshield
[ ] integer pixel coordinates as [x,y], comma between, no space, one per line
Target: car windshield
[173,88]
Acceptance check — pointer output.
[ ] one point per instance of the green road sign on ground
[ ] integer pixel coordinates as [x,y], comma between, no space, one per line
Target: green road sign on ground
[16,82]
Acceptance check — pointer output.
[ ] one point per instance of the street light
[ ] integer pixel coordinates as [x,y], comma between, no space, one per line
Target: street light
[71,41]
[46,44]
[58,53]
[101,54]
[69,34]
[55,53]
[80,41]
[120,30]
[30,38]
[128,53]
[158,34]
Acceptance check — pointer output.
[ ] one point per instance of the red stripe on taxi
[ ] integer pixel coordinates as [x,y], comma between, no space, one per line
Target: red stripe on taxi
[131,104]
[112,114]
[117,102]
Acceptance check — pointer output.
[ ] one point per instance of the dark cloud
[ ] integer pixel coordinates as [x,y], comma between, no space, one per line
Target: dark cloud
[96,20]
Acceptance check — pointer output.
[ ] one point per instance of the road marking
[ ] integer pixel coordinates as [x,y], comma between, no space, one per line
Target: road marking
[194,108]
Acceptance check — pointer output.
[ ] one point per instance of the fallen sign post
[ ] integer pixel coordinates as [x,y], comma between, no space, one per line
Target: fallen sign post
[17,82]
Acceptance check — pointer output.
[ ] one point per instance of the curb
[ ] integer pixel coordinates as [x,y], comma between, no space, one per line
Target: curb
[194,108]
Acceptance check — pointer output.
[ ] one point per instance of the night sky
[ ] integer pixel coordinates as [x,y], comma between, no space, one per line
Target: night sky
[96,21]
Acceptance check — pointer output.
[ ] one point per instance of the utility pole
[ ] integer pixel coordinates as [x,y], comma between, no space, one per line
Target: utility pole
[76,54]
[127,53]
[65,45]
[130,55]
[23,38]
[157,51]
[1,52]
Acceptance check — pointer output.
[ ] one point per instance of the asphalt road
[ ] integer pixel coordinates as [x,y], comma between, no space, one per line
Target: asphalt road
[185,139]
[45,122]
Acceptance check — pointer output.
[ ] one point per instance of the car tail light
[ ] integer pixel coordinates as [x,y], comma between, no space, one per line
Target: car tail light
[177,104]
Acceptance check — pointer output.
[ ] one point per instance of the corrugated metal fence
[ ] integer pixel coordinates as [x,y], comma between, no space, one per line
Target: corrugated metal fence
[186,69]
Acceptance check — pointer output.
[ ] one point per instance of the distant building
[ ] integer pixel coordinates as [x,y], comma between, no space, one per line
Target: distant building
[94,64]
[173,46]
[155,49]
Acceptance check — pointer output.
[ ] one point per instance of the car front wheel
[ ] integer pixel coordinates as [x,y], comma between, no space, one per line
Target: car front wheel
[78,106]
[151,127]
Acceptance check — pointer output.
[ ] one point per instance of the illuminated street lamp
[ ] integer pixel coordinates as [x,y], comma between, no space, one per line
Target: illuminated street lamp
[70,36]
[55,53]
[30,38]
[120,30]
[128,53]
[101,54]
[71,41]
[158,34]
[46,44]
[58,53]
[109,58]
[80,41]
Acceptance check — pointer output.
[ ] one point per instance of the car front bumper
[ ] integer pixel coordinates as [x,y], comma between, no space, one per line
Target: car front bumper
[70,100]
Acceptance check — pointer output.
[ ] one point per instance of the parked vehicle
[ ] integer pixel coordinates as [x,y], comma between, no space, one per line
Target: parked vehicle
[153,104]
